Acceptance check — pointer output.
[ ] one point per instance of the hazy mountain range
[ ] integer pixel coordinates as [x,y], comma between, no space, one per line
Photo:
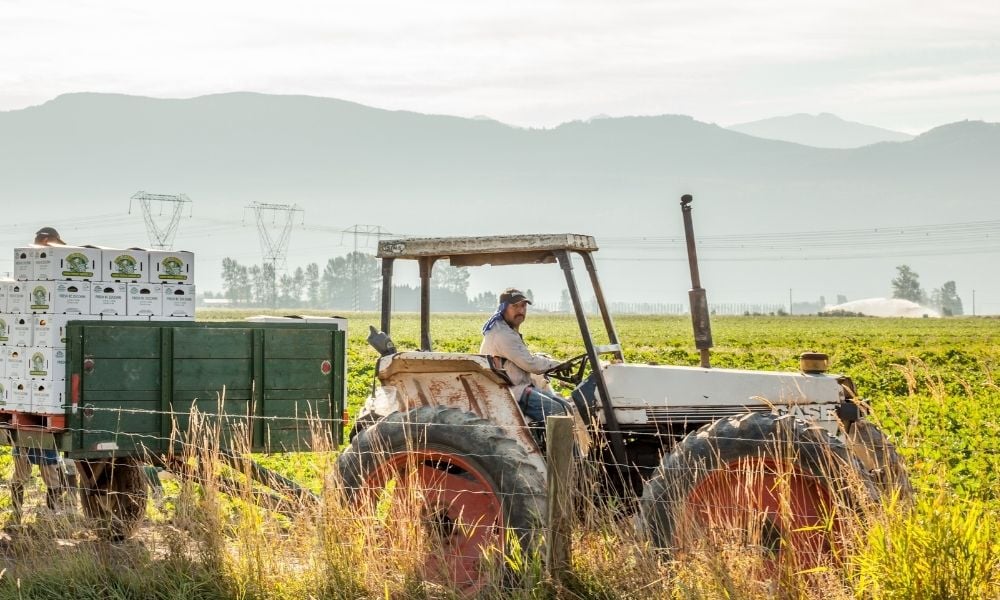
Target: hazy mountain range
[617,178]
[822,131]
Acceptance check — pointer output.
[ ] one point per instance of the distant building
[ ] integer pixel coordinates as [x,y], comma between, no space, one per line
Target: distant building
[215,302]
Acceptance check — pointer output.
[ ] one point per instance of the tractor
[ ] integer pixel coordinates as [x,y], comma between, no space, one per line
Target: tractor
[789,455]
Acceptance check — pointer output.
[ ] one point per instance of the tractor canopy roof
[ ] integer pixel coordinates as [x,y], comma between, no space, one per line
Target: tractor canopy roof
[488,250]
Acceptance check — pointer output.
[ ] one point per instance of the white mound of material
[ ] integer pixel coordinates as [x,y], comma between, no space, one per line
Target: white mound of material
[885,307]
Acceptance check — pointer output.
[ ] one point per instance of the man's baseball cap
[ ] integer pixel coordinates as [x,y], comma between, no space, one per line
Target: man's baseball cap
[48,234]
[513,296]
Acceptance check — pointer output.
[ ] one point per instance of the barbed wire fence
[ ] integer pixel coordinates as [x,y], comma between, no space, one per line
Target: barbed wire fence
[589,479]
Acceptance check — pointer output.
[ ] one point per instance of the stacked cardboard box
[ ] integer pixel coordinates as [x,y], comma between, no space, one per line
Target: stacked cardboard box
[54,285]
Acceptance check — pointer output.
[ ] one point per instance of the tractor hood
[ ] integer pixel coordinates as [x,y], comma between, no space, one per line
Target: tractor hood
[646,394]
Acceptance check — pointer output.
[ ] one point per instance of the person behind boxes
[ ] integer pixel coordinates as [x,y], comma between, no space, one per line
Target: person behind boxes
[48,236]
[54,470]
[52,475]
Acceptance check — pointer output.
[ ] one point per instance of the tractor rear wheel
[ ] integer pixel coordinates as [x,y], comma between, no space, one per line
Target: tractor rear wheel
[760,481]
[879,456]
[472,490]
[114,492]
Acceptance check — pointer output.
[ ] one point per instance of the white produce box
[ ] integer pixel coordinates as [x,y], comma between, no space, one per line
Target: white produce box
[48,396]
[19,330]
[17,297]
[171,266]
[50,330]
[4,286]
[72,297]
[17,362]
[144,299]
[5,328]
[126,266]
[39,296]
[178,300]
[24,263]
[108,298]
[46,363]
[4,391]
[74,263]
[19,395]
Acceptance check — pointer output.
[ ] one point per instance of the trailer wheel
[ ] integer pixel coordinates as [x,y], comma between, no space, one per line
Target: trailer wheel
[879,456]
[114,493]
[474,491]
[759,481]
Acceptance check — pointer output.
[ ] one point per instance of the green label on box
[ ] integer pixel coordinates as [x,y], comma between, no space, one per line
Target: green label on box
[76,266]
[38,365]
[125,267]
[173,268]
[40,298]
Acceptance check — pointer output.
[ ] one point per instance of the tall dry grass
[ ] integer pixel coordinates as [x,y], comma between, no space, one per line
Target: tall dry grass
[212,538]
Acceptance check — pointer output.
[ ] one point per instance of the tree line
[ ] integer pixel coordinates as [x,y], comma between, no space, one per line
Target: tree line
[354,282]
[906,285]
[351,282]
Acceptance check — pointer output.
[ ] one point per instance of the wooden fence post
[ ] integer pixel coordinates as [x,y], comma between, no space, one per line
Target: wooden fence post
[559,443]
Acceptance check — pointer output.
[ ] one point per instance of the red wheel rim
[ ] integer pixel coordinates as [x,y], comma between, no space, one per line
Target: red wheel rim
[760,502]
[460,512]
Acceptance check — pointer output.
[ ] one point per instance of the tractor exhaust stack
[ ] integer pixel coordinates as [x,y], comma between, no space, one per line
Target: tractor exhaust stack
[696,295]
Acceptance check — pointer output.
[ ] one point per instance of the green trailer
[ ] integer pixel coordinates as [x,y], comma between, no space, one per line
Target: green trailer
[132,386]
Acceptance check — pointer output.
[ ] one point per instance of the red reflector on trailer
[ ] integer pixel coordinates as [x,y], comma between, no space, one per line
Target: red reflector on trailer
[74,389]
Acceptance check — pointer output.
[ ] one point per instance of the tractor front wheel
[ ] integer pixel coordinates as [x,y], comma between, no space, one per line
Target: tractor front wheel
[879,456]
[759,481]
[451,484]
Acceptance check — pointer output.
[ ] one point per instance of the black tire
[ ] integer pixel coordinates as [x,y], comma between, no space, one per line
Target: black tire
[881,459]
[451,443]
[115,494]
[727,477]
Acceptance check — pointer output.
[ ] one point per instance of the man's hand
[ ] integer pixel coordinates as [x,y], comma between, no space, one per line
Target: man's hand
[563,370]
[569,371]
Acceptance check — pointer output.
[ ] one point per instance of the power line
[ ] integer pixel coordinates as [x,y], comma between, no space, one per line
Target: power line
[946,239]
[361,230]
[948,233]
[938,239]
[274,248]
[897,253]
[160,236]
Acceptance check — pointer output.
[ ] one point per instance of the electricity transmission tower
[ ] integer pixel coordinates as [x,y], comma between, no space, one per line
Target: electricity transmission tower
[367,231]
[274,226]
[153,208]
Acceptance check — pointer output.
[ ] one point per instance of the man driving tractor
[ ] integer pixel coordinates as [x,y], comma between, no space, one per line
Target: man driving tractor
[502,337]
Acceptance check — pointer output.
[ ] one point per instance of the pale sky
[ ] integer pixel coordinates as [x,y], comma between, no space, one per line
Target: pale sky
[904,65]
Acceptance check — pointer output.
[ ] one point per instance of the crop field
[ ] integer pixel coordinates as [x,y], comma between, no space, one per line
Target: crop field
[933,385]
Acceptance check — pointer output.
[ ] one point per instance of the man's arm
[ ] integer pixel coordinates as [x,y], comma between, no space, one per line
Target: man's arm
[510,346]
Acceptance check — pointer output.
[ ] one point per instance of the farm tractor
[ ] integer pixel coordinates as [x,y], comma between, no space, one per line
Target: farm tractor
[702,453]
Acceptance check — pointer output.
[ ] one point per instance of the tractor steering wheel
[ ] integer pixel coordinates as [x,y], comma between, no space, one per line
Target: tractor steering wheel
[569,371]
